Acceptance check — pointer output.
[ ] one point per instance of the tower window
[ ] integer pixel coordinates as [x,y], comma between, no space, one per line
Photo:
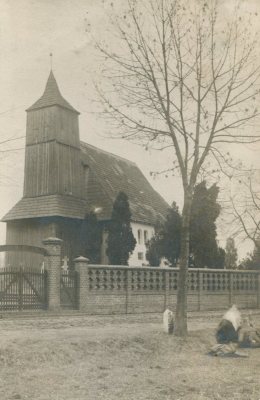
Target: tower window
[140,239]
[146,238]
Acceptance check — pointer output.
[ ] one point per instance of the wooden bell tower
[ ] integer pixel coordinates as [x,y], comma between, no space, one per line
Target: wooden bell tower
[52,157]
[52,203]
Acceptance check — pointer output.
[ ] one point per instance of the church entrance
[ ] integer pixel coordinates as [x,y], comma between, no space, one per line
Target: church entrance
[68,285]
[69,289]
[22,288]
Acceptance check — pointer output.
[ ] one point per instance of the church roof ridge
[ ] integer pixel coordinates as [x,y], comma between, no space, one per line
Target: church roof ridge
[86,145]
[51,96]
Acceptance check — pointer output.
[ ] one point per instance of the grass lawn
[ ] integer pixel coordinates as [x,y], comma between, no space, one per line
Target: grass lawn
[119,358]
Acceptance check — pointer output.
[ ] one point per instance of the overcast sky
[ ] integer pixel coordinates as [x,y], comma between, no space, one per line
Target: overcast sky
[29,31]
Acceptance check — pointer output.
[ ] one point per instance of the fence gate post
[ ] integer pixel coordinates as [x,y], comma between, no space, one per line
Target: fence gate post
[81,266]
[53,247]
[20,288]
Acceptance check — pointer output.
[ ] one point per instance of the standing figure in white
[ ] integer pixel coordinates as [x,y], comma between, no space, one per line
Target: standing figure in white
[168,321]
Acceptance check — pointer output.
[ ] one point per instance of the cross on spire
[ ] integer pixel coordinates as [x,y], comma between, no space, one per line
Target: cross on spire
[51,55]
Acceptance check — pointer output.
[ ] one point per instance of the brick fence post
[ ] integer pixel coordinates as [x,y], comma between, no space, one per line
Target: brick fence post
[129,274]
[166,290]
[199,287]
[53,247]
[81,266]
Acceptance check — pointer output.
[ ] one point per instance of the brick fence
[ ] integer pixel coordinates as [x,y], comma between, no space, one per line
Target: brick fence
[121,289]
[103,289]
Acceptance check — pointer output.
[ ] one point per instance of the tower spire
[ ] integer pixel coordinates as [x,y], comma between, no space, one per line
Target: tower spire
[51,96]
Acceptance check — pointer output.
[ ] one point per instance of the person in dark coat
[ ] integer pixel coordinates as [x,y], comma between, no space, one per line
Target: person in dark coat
[228,329]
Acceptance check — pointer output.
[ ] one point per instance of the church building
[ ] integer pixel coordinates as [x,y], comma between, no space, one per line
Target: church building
[64,179]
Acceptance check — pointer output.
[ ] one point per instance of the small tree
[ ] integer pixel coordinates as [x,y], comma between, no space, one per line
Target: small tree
[154,252]
[231,254]
[167,238]
[91,238]
[204,250]
[120,241]
[219,258]
[251,261]
[203,231]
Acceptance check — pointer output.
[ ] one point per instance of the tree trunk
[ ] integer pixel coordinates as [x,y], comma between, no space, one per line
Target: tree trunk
[180,325]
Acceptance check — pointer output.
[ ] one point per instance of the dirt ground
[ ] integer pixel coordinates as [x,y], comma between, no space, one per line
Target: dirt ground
[119,357]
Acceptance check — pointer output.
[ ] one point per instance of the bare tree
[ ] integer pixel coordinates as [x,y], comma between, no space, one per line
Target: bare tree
[182,78]
[245,207]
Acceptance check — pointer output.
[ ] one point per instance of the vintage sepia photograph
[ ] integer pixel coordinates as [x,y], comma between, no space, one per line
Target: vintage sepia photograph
[130,199]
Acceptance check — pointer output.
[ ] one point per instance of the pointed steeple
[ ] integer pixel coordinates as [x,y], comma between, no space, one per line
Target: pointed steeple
[51,97]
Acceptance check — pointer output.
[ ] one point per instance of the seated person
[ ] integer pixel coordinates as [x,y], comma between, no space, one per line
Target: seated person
[249,335]
[228,329]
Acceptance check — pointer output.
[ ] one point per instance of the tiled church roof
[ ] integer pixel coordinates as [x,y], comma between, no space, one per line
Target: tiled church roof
[47,206]
[51,96]
[108,175]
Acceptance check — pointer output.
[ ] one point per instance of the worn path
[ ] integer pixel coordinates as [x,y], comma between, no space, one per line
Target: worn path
[119,357]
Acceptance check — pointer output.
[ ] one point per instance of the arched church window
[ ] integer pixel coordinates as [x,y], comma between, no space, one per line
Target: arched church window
[140,238]
[146,237]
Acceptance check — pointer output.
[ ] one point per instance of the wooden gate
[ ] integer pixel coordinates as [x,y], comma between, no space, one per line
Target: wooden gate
[22,289]
[69,289]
